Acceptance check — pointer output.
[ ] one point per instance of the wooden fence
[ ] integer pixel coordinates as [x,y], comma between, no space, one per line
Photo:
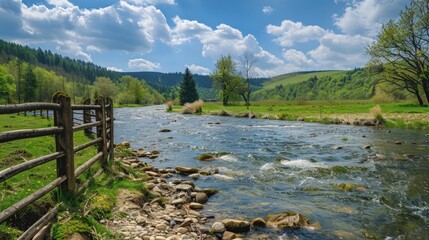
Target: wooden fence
[98,116]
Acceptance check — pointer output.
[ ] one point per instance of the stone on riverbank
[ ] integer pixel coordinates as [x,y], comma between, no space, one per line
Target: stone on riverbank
[218,227]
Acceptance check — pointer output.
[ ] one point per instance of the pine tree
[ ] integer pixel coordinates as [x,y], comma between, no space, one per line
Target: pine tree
[188,89]
[30,85]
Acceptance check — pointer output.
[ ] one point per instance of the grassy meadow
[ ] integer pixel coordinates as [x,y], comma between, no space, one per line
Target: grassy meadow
[15,152]
[99,196]
[398,114]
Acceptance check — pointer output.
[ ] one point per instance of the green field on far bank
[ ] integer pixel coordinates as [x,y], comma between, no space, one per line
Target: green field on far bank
[397,114]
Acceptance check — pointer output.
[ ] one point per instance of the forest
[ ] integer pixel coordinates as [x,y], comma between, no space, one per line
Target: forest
[28,75]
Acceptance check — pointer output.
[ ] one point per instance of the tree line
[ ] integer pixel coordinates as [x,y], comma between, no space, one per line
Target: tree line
[28,75]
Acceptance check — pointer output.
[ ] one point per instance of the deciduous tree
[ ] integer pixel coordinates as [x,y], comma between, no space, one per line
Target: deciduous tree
[400,55]
[226,79]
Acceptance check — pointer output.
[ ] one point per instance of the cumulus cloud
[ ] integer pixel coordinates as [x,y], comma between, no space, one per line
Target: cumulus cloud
[60,3]
[115,69]
[198,69]
[223,40]
[297,58]
[150,2]
[334,51]
[122,26]
[289,33]
[143,65]
[366,17]
[338,51]
[267,10]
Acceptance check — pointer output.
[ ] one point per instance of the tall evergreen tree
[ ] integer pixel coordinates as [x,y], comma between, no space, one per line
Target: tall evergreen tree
[188,89]
[30,85]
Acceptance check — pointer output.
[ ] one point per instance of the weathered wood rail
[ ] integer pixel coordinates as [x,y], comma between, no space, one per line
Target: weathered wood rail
[63,129]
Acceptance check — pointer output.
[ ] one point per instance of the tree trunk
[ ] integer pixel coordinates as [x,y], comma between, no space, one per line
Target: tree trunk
[426,89]
[419,98]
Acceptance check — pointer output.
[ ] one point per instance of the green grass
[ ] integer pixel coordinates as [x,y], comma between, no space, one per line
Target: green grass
[327,111]
[15,152]
[292,78]
[104,187]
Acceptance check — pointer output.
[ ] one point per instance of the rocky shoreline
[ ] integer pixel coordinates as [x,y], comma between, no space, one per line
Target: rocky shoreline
[173,209]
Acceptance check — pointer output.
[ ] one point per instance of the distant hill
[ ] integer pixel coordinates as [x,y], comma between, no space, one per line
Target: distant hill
[169,79]
[163,82]
[296,77]
[54,62]
[318,85]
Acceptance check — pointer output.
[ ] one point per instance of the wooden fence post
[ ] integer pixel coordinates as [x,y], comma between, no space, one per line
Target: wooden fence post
[87,117]
[64,141]
[111,124]
[101,130]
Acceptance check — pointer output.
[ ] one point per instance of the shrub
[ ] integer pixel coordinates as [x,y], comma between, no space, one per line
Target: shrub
[195,107]
[169,106]
[377,113]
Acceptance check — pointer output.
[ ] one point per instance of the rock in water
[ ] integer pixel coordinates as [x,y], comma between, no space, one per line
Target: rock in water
[236,226]
[206,157]
[165,130]
[286,220]
[258,222]
[186,170]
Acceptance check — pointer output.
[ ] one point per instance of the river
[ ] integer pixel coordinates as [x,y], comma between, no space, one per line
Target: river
[280,166]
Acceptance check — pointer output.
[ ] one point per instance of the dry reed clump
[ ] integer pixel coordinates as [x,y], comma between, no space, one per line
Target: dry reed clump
[195,107]
[377,114]
[169,106]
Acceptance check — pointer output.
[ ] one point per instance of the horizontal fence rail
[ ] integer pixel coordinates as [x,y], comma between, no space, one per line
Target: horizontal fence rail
[96,120]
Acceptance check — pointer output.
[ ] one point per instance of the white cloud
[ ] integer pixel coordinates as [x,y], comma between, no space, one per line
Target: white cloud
[186,30]
[115,69]
[143,65]
[289,33]
[335,51]
[223,40]
[297,58]
[338,51]
[150,2]
[60,3]
[367,16]
[122,26]
[267,10]
[198,69]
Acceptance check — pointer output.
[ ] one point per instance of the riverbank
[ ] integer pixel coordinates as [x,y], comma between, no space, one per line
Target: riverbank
[395,115]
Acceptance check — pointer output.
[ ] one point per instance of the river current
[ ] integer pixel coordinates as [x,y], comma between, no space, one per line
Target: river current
[272,166]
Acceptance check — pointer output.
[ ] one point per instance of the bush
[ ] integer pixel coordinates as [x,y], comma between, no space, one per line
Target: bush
[169,106]
[377,113]
[195,107]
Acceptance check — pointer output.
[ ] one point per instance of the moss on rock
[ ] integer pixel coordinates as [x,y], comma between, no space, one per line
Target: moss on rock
[100,206]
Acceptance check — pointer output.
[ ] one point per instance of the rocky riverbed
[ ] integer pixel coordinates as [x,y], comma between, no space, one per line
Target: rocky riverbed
[173,208]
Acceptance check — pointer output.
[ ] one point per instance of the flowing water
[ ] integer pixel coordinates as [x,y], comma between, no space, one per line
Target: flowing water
[279,166]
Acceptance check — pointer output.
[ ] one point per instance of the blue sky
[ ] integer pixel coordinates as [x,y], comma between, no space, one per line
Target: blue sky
[170,35]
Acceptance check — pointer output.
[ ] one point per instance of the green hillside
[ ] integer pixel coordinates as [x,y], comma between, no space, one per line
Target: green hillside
[322,85]
[292,78]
